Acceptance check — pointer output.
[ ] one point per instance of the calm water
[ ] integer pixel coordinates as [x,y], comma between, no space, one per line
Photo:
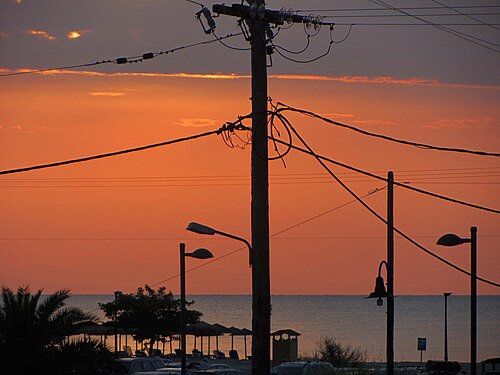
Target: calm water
[356,321]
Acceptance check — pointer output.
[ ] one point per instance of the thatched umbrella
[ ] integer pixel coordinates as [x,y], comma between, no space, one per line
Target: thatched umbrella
[203,329]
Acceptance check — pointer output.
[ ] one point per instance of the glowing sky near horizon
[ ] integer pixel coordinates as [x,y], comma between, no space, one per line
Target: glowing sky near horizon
[116,223]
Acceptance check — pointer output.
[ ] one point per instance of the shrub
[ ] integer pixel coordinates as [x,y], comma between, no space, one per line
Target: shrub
[331,350]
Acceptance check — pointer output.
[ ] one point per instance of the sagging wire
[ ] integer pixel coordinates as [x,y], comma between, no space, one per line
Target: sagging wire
[273,128]
[285,107]
[122,60]
[277,49]
[228,46]
[377,215]
[229,131]
[296,52]
[345,37]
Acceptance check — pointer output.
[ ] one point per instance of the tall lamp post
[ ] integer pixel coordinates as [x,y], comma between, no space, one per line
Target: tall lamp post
[454,240]
[197,254]
[446,295]
[257,306]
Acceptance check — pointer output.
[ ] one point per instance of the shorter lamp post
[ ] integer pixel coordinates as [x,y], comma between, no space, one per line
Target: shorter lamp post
[379,293]
[454,240]
[117,293]
[446,295]
[197,254]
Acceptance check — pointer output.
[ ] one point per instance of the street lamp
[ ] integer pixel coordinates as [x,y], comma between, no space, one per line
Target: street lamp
[446,295]
[260,314]
[203,229]
[454,240]
[197,254]
[379,293]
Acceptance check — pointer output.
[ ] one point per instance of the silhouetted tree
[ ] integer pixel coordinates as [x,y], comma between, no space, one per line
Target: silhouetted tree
[85,357]
[32,331]
[154,314]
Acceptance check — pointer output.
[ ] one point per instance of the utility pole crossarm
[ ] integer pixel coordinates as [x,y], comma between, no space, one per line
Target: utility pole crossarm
[270,16]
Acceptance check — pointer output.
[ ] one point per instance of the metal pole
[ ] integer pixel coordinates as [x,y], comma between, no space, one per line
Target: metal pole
[390,273]
[473,302]
[116,324]
[261,299]
[446,325]
[183,307]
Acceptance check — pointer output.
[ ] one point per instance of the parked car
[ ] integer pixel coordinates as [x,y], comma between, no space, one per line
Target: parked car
[141,364]
[218,371]
[163,371]
[219,366]
[304,368]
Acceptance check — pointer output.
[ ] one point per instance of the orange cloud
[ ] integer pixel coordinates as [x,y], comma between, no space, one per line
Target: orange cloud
[196,122]
[374,122]
[107,93]
[75,34]
[3,35]
[463,123]
[344,79]
[42,34]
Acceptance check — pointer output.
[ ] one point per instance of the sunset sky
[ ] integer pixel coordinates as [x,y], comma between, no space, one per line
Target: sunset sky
[116,223]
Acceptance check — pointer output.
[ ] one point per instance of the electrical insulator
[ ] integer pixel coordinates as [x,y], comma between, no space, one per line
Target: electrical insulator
[121,60]
[210,21]
[148,55]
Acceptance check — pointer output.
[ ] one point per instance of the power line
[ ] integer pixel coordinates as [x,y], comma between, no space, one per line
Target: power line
[468,15]
[388,138]
[402,8]
[411,24]
[378,216]
[204,264]
[412,15]
[406,172]
[152,239]
[110,154]
[461,35]
[123,60]
[406,186]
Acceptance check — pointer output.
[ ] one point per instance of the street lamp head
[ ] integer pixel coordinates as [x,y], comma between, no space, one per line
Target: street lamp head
[379,291]
[200,254]
[447,294]
[451,240]
[200,229]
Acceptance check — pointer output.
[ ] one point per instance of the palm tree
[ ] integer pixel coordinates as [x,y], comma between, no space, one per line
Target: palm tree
[32,326]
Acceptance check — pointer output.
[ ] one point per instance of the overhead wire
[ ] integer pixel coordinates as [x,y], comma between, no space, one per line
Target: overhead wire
[326,53]
[204,264]
[459,34]
[402,8]
[110,154]
[378,216]
[468,15]
[286,107]
[123,60]
[406,186]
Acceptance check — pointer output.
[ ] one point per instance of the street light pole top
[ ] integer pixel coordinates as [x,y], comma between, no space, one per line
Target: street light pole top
[200,254]
[200,229]
[447,294]
[451,239]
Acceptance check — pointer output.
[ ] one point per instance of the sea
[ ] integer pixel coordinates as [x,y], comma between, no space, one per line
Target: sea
[353,321]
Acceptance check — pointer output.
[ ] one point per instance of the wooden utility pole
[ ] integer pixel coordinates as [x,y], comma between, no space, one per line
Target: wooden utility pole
[261,302]
[257,18]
